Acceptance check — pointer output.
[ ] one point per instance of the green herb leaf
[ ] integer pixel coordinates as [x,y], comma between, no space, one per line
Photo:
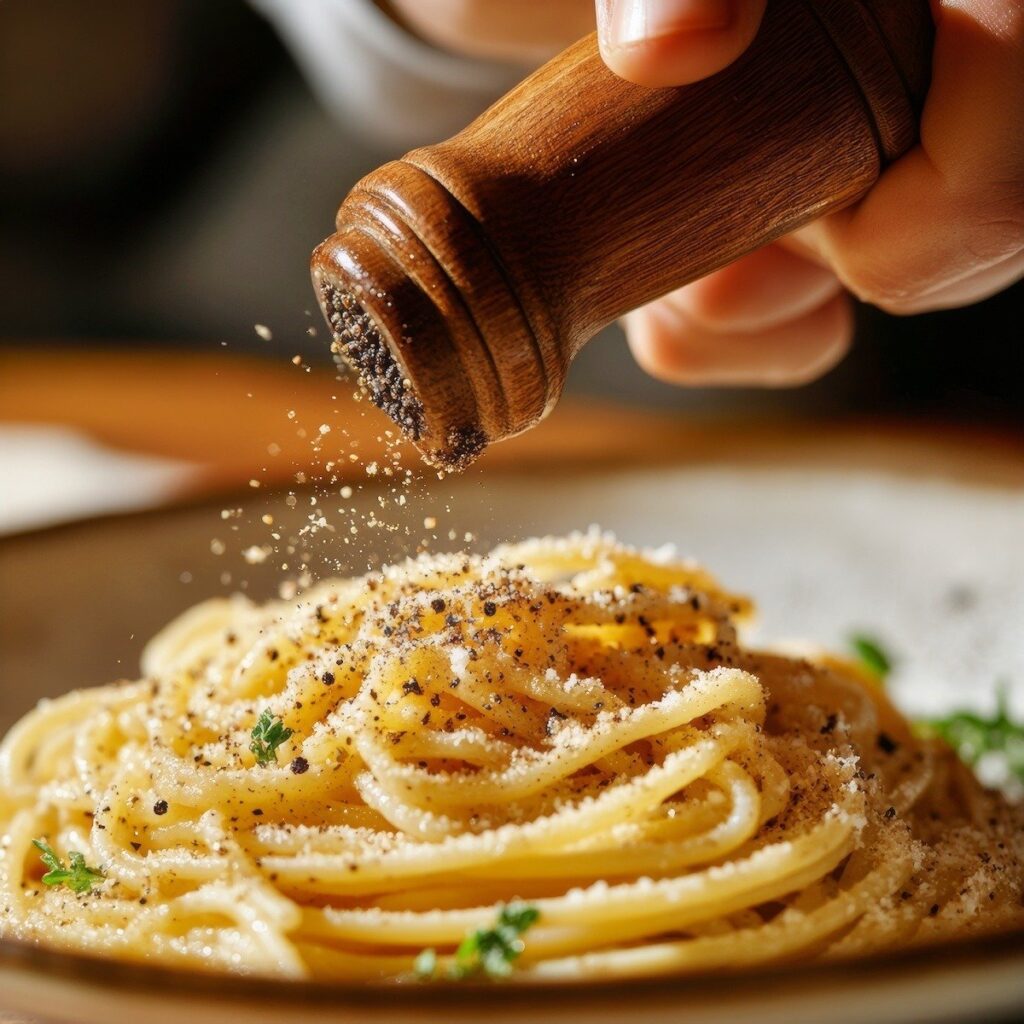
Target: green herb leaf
[268,734]
[872,656]
[486,951]
[973,736]
[79,877]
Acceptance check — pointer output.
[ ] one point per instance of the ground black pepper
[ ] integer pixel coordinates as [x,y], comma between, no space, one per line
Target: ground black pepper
[360,343]
[461,447]
[554,717]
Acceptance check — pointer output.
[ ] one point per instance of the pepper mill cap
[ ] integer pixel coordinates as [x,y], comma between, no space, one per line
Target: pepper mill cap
[421,311]
[356,283]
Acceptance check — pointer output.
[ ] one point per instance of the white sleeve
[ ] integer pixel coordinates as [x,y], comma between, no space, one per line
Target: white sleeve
[379,78]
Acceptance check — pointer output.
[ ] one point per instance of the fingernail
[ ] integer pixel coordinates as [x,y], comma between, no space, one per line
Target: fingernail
[634,21]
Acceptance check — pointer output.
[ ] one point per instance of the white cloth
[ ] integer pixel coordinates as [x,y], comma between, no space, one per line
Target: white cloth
[53,474]
[371,73]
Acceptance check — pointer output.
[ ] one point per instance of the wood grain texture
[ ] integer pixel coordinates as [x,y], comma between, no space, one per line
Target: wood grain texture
[488,260]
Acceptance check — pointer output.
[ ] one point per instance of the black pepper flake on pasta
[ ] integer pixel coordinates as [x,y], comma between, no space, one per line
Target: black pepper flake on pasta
[490,608]
[887,744]
[554,718]
[160,807]
[328,678]
[411,686]
[299,766]
[438,604]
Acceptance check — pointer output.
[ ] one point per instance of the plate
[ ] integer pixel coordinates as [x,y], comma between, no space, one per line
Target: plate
[931,564]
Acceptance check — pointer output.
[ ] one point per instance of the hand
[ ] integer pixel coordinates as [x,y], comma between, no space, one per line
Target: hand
[943,226]
[522,31]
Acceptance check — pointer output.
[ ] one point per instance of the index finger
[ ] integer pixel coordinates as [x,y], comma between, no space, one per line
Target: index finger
[674,42]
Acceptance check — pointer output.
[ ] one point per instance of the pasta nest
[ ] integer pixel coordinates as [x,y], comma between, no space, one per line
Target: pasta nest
[569,721]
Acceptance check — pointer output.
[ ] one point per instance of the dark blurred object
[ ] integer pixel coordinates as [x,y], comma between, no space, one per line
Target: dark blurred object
[966,362]
[165,172]
[110,111]
[161,168]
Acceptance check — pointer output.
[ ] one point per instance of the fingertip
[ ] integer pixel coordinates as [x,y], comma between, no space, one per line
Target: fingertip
[664,43]
[761,290]
[671,347]
[829,334]
[673,60]
[656,337]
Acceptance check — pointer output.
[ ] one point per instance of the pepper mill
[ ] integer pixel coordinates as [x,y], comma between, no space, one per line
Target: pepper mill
[464,278]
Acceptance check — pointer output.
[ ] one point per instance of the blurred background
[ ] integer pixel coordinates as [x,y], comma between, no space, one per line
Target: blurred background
[166,168]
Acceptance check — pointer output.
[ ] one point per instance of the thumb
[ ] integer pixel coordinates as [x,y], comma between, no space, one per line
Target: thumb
[674,42]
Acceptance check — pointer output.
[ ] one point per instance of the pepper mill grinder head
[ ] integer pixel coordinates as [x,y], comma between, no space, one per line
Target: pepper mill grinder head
[464,278]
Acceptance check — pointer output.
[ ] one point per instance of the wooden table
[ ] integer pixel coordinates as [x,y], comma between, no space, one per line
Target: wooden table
[227,414]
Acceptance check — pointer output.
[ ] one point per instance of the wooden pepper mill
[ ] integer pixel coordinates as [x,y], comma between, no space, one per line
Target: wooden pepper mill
[465,277]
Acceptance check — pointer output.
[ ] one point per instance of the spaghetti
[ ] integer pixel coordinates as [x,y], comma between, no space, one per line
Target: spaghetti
[567,722]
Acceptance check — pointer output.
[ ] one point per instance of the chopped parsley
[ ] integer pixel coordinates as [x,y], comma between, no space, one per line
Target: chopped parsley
[268,734]
[971,735]
[975,736]
[873,658]
[487,952]
[79,877]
